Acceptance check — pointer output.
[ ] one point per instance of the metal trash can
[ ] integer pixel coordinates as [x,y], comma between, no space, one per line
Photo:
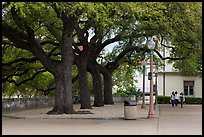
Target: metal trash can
[130,109]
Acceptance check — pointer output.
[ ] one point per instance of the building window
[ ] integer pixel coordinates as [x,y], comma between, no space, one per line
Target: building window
[188,88]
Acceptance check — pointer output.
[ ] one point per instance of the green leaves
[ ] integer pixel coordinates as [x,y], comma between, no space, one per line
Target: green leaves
[180,23]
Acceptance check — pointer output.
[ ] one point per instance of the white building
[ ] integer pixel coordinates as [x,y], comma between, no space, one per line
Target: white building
[169,80]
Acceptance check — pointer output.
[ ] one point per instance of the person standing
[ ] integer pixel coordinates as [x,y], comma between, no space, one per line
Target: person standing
[182,99]
[176,98]
[172,98]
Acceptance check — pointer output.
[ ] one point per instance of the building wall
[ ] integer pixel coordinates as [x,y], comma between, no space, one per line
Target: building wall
[174,82]
[198,87]
[139,77]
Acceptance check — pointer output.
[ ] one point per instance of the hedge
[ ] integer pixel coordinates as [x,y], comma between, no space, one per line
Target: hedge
[188,100]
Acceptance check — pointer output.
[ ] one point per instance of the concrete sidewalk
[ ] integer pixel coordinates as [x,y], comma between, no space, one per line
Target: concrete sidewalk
[115,111]
[107,120]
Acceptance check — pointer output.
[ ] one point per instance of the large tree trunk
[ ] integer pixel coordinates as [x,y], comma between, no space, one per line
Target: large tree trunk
[107,76]
[83,82]
[97,84]
[63,78]
[63,95]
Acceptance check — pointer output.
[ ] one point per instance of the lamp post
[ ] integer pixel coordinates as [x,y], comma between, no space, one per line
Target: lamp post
[156,75]
[143,88]
[151,113]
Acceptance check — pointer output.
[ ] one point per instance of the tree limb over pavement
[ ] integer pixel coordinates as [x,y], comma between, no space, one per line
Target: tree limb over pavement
[16,74]
[30,60]
[171,58]
[26,80]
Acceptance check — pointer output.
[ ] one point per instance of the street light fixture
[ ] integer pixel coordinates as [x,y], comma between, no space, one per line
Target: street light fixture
[151,114]
[143,88]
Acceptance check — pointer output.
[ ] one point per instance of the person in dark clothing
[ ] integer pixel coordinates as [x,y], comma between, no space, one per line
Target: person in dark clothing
[172,99]
[176,98]
[182,99]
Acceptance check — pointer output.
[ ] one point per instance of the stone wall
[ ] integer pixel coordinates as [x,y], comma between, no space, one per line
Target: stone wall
[18,103]
[13,103]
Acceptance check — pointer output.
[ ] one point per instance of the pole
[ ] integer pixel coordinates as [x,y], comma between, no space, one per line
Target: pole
[164,73]
[143,89]
[156,88]
[156,75]
[151,113]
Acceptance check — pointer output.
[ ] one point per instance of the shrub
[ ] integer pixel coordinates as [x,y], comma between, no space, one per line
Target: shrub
[188,100]
[129,91]
[163,99]
[193,100]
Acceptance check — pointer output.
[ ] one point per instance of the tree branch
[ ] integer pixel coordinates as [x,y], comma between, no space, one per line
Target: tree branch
[26,80]
[114,65]
[51,28]
[50,42]
[171,58]
[46,91]
[15,36]
[16,74]
[19,60]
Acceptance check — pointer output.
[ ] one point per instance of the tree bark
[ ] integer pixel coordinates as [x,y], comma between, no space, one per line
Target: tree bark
[63,78]
[81,62]
[97,84]
[63,95]
[107,77]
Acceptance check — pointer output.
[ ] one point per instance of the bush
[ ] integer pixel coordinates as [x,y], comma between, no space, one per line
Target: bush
[193,100]
[129,91]
[188,100]
[163,99]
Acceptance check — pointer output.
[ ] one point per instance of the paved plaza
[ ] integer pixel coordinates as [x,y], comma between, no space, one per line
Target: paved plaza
[106,120]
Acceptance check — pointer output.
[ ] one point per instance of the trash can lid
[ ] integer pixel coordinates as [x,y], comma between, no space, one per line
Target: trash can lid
[130,103]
